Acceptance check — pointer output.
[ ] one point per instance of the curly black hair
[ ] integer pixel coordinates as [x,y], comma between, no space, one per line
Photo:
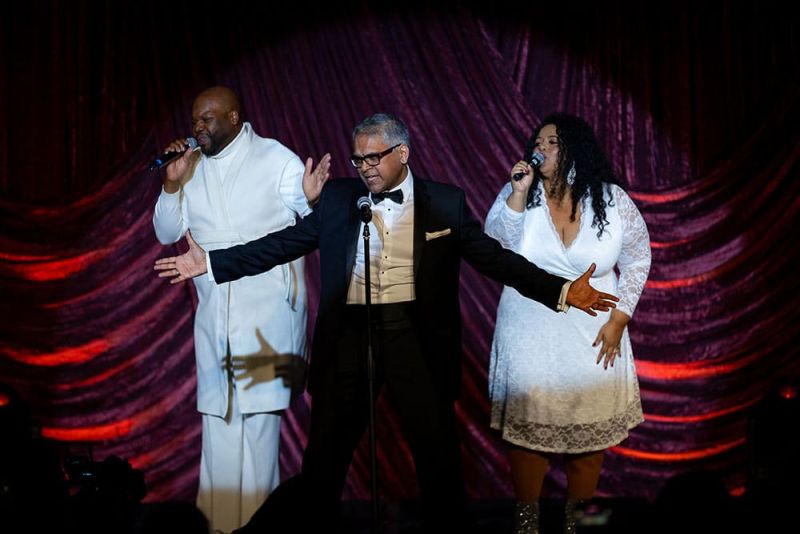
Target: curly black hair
[593,170]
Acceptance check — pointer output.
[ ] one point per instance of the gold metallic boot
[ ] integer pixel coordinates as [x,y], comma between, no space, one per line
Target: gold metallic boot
[573,511]
[526,518]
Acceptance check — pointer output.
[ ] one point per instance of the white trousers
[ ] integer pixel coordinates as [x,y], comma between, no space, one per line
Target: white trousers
[239,465]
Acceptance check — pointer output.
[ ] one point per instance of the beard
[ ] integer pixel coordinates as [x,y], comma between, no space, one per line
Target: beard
[216,142]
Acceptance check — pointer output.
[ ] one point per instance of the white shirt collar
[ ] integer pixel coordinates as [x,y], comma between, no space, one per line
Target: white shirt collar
[234,145]
[406,186]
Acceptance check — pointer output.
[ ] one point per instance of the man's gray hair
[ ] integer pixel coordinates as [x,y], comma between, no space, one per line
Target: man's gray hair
[389,127]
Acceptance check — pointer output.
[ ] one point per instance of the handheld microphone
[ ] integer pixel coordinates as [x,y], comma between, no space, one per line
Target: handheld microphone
[166,157]
[364,204]
[536,160]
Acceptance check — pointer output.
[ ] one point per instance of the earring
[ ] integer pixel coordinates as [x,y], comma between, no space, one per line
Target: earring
[571,175]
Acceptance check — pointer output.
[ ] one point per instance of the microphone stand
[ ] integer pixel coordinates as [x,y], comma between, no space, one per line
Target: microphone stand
[375,529]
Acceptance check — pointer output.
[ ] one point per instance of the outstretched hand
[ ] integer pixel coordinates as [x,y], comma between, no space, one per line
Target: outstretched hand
[185,266]
[583,296]
[313,181]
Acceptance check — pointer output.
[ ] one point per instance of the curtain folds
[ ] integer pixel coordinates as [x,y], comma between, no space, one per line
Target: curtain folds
[699,116]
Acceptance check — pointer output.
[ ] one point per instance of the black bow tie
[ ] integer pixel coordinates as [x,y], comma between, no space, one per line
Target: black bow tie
[395,196]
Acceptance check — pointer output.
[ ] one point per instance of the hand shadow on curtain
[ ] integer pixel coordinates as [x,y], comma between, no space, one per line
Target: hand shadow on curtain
[266,365]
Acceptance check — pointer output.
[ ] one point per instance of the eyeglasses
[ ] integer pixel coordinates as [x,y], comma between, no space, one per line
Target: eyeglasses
[371,159]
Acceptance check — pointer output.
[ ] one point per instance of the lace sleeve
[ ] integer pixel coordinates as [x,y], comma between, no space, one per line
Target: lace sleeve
[634,259]
[503,223]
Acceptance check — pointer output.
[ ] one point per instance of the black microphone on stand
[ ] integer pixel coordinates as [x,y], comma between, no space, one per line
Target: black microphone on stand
[536,160]
[166,157]
[364,206]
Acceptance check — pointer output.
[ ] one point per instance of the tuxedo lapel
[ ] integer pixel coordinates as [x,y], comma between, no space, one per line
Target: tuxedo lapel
[352,233]
[422,204]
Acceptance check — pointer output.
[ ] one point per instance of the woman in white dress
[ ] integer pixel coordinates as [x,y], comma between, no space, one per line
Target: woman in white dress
[565,382]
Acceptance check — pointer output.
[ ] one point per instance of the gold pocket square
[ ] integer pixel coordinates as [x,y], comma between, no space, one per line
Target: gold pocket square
[434,235]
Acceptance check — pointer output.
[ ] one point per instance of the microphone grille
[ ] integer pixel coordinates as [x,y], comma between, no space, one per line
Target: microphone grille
[363,201]
[537,159]
[191,142]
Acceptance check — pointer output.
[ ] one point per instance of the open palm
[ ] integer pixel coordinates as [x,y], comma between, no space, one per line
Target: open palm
[185,266]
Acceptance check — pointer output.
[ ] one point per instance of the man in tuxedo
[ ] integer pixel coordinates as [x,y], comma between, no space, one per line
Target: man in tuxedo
[421,230]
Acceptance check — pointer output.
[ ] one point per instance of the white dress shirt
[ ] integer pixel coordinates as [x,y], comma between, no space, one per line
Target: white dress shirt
[391,251]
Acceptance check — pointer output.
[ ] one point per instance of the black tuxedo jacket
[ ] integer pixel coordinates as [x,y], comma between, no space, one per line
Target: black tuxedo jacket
[334,227]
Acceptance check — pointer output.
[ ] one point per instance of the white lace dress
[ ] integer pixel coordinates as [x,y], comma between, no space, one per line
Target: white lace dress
[547,392]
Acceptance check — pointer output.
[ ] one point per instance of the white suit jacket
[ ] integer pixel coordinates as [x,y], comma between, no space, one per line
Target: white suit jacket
[261,193]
